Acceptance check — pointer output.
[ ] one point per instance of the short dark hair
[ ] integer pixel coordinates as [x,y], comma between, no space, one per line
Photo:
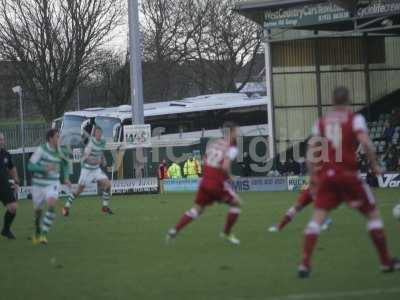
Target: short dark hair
[229,125]
[51,133]
[341,95]
[98,128]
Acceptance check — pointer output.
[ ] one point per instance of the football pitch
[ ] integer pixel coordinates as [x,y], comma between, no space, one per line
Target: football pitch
[124,256]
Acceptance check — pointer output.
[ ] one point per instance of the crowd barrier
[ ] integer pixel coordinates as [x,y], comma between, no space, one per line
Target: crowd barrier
[239,184]
[269,184]
[118,187]
[387,180]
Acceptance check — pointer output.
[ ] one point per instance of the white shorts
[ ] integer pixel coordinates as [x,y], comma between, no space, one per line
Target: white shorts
[91,176]
[40,195]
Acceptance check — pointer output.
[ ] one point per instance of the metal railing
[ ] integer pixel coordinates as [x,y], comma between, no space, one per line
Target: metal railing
[35,134]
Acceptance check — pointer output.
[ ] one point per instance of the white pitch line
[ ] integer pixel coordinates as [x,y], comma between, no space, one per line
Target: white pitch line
[338,295]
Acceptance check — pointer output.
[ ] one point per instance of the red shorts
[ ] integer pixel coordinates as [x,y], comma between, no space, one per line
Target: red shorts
[336,187]
[210,193]
[305,197]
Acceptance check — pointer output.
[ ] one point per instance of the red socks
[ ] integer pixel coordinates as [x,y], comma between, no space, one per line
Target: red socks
[231,219]
[378,237]
[287,218]
[310,240]
[192,214]
[186,219]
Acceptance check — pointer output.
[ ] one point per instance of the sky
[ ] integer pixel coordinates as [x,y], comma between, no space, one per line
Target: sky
[119,41]
[119,37]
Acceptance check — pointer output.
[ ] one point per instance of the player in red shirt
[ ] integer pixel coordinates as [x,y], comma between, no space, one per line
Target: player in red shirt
[335,139]
[214,186]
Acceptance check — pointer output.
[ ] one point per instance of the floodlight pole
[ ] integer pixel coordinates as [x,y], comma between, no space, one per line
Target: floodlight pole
[136,80]
[18,90]
[270,94]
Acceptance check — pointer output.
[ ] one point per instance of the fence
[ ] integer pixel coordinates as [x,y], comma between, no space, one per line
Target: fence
[35,134]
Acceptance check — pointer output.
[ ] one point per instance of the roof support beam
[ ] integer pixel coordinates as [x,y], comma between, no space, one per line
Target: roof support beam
[379,31]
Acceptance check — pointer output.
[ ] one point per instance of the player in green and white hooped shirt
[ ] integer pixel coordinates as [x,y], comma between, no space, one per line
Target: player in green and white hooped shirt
[46,165]
[92,159]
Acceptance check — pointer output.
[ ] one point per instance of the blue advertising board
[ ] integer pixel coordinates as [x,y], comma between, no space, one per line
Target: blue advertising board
[241,184]
[259,184]
[180,185]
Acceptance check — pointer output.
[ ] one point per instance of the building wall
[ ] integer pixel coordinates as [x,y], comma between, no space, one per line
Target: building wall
[385,76]
[305,72]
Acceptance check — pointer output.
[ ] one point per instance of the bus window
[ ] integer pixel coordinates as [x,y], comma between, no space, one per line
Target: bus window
[110,126]
[71,129]
[57,123]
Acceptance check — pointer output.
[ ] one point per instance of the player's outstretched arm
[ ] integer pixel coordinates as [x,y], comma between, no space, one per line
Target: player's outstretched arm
[86,153]
[361,130]
[14,174]
[310,156]
[34,165]
[65,169]
[227,163]
[226,166]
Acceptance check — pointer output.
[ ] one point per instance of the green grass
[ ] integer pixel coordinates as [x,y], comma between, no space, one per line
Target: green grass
[91,256]
[28,121]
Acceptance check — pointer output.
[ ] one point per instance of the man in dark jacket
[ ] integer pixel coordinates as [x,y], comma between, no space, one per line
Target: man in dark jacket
[8,188]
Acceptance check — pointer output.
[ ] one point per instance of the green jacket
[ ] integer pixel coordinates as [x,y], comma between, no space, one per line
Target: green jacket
[190,169]
[174,171]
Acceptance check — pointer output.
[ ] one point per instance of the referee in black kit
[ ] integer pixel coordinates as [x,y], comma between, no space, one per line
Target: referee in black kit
[8,188]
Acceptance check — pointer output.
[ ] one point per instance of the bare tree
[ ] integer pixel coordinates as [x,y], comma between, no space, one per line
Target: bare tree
[166,33]
[114,77]
[166,30]
[204,40]
[223,44]
[55,44]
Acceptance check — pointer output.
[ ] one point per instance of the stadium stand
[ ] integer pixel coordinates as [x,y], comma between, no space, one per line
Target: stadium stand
[384,126]
[385,133]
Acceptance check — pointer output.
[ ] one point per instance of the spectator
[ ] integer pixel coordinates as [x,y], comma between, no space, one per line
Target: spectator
[274,173]
[382,163]
[362,163]
[190,169]
[388,133]
[371,179]
[246,169]
[390,161]
[290,168]
[284,168]
[163,170]
[395,117]
[174,171]
[162,174]
[198,166]
[294,167]
[303,168]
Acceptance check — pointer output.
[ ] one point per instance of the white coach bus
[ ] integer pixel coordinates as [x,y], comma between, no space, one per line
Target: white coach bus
[187,119]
